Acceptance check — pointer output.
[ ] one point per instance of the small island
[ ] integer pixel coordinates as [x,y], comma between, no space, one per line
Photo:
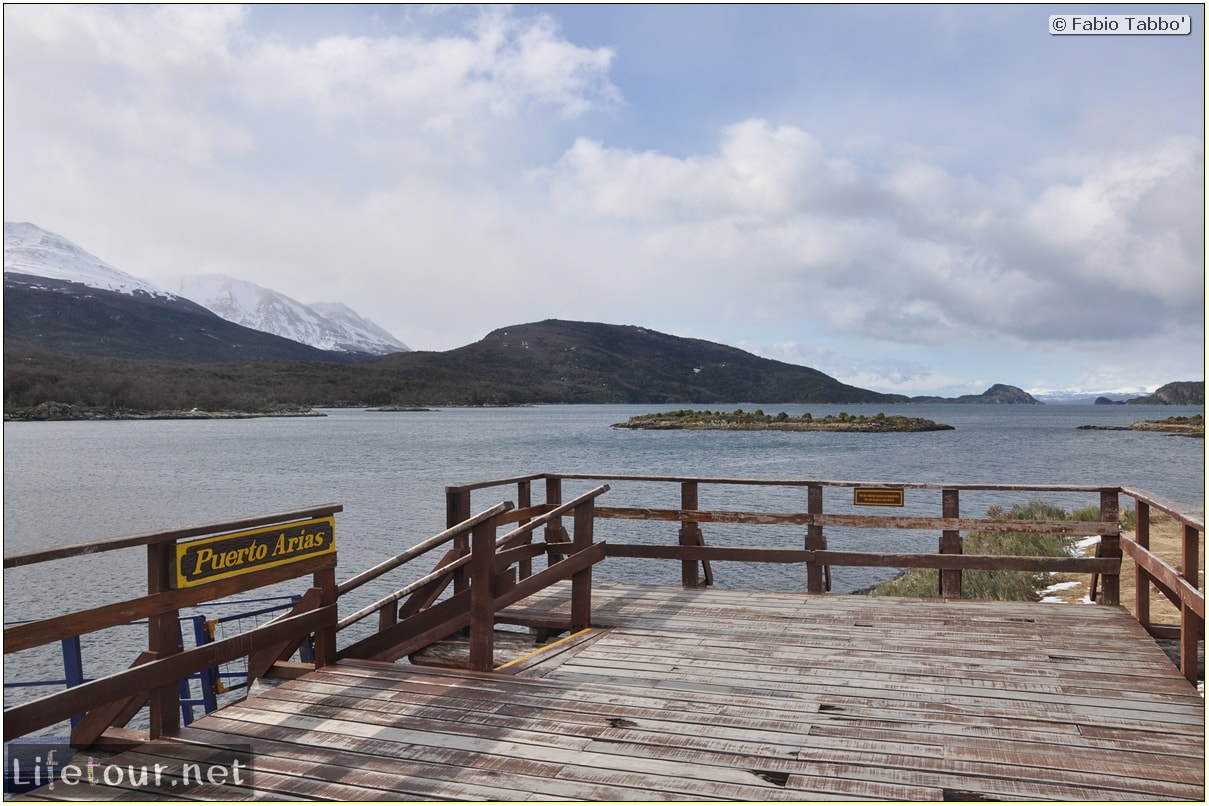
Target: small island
[401,408]
[1193,426]
[757,420]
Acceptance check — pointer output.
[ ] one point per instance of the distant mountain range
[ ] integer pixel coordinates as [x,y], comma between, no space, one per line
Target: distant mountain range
[78,331]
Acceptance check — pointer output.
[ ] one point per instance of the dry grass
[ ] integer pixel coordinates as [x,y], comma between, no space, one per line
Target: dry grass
[1166,540]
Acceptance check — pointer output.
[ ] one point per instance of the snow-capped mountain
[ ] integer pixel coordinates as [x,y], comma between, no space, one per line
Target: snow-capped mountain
[31,250]
[328,326]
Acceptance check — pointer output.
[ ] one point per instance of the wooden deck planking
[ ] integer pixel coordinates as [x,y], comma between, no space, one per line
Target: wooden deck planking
[691,694]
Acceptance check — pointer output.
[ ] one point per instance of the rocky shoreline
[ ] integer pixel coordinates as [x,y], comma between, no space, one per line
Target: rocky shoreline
[46,412]
[759,421]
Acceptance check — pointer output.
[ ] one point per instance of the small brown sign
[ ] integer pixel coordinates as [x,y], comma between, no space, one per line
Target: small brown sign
[878,497]
[212,558]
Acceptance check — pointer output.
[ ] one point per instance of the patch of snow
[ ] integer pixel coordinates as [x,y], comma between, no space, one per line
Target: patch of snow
[1058,586]
[1084,543]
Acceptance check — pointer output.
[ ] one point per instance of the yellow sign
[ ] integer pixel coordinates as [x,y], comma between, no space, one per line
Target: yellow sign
[212,558]
[877,497]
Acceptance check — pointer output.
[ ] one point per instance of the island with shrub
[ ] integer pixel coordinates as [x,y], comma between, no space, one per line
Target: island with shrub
[1193,426]
[739,420]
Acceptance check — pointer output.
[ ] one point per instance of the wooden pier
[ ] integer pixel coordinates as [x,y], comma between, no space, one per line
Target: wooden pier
[708,694]
[659,692]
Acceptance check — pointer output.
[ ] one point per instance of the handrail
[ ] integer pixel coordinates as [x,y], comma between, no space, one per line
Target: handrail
[422,547]
[79,549]
[1167,506]
[782,482]
[461,528]
[1164,574]
[557,512]
[887,522]
[44,631]
[493,585]
[799,482]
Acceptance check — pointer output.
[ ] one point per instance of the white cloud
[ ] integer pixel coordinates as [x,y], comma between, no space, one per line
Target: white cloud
[918,255]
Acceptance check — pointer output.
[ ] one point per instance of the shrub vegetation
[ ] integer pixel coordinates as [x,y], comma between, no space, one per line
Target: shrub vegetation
[1017,586]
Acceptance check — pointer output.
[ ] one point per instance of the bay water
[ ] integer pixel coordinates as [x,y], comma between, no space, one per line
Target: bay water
[72,481]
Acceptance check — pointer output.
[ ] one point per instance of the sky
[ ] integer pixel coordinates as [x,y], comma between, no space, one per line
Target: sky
[913,199]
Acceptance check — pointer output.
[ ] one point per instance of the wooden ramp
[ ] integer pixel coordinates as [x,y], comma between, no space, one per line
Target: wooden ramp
[706,694]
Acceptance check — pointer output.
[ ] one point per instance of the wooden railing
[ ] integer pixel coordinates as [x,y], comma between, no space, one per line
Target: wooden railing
[1181,586]
[815,554]
[695,556]
[111,702]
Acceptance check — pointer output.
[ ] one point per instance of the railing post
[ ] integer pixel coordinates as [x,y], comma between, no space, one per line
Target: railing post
[950,543]
[524,500]
[816,573]
[388,615]
[325,637]
[163,639]
[555,533]
[690,534]
[581,583]
[73,666]
[457,509]
[1141,598]
[482,597]
[1110,546]
[1192,626]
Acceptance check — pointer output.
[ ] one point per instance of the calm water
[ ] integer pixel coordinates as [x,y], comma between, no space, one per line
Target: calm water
[66,482]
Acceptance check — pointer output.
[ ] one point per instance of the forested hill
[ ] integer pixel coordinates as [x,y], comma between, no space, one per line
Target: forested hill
[559,361]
